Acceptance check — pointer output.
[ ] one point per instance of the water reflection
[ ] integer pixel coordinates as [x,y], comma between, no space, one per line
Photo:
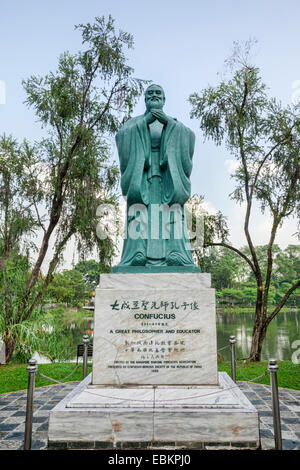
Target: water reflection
[67,342]
[282,332]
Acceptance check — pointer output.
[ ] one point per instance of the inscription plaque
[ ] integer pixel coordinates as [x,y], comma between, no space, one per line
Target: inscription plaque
[155,337]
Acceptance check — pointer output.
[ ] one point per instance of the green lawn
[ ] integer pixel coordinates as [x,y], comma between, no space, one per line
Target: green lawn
[288,373]
[14,377]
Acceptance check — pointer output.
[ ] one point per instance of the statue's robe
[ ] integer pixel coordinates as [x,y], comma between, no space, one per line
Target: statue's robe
[175,163]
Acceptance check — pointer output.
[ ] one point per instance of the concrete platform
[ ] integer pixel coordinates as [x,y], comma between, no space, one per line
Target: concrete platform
[189,417]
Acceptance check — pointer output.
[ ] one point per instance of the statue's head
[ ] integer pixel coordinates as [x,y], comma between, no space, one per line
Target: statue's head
[154,97]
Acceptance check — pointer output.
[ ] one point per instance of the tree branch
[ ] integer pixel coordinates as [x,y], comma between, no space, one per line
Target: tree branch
[240,253]
[283,301]
[38,216]
[269,266]
[113,91]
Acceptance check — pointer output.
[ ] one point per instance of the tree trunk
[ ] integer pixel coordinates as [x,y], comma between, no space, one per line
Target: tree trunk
[257,340]
[259,334]
[10,345]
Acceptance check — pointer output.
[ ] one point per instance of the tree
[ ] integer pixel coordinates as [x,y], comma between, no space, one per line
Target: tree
[18,221]
[81,105]
[67,287]
[264,137]
[223,272]
[90,270]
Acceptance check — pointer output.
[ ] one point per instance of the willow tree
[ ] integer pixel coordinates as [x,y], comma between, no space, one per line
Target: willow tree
[80,106]
[264,138]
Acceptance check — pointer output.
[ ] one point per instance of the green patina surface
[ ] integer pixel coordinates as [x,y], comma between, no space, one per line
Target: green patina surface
[155,269]
[155,152]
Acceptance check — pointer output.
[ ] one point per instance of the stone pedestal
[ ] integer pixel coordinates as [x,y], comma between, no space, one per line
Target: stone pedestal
[155,381]
[155,329]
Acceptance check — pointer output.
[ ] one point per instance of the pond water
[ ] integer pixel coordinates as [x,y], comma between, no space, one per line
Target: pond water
[282,332]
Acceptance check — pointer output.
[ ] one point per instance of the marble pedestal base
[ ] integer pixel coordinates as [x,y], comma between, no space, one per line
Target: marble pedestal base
[145,417]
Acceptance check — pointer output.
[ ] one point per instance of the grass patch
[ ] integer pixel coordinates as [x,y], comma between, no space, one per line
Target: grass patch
[288,373]
[14,377]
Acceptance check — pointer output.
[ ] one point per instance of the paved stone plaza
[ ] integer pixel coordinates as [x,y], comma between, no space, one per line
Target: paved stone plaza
[13,410]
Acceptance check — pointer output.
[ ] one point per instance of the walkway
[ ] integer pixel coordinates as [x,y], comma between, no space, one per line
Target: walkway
[13,410]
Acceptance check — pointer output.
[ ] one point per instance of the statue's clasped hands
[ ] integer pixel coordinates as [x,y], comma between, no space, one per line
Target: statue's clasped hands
[157,114]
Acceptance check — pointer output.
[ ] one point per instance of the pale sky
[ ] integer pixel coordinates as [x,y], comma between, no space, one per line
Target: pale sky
[179,44]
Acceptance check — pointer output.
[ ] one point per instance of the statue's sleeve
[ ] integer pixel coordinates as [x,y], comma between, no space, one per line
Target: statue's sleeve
[177,153]
[133,143]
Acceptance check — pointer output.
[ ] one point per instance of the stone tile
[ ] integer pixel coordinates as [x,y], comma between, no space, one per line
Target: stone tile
[8,426]
[265,413]
[291,420]
[294,408]
[289,414]
[290,444]
[40,435]
[39,419]
[15,436]
[19,413]
[261,407]
[265,433]
[10,408]
[42,413]
[289,435]
[11,445]
[16,394]
[14,420]
[256,402]
[43,427]
[267,444]
[20,428]
[4,403]
[266,426]
[39,445]
[267,419]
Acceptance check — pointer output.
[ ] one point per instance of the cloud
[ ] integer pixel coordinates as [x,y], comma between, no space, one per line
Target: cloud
[231,165]
[208,207]
[259,227]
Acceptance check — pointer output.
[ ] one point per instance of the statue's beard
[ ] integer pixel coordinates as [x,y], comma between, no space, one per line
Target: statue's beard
[156,104]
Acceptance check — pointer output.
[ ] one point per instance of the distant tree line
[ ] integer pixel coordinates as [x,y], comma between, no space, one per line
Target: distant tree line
[235,283]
